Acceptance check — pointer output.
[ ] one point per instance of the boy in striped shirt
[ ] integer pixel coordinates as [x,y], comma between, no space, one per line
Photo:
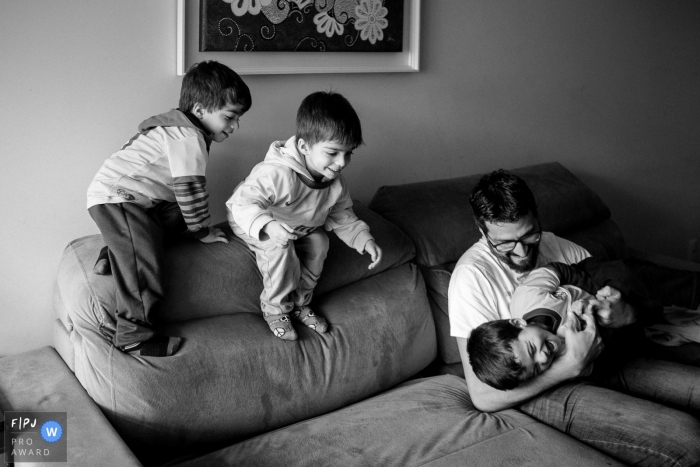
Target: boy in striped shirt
[154,187]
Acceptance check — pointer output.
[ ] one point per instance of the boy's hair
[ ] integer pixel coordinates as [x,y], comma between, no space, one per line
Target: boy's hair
[491,354]
[501,197]
[328,116]
[213,85]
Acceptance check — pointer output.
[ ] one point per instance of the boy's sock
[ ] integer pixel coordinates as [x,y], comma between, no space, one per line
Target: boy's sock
[102,266]
[156,346]
[281,326]
[304,314]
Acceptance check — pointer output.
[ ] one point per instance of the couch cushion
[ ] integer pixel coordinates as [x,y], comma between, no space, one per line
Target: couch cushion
[233,378]
[436,215]
[437,281]
[423,422]
[40,381]
[214,279]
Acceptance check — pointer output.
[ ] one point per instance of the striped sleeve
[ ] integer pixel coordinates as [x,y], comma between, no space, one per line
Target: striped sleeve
[193,199]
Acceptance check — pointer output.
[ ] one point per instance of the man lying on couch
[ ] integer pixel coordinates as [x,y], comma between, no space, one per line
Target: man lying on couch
[634,430]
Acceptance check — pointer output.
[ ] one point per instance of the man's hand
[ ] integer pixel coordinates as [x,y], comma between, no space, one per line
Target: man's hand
[215,235]
[582,347]
[618,313]
[374,252]
[280,233]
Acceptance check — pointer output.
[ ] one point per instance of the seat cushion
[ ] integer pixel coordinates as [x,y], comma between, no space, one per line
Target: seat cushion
[39,380]
[423,422]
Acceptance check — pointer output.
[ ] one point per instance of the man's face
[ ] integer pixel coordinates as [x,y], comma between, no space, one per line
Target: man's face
[522,258]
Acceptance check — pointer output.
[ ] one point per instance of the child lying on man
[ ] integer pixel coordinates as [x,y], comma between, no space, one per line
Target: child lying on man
[505,353]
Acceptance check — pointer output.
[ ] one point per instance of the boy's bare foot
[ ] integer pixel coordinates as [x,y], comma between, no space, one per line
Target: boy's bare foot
[156,346]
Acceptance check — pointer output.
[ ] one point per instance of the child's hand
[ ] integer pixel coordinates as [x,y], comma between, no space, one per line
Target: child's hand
[374,252]
[615,312]
[279,232]
[215,235]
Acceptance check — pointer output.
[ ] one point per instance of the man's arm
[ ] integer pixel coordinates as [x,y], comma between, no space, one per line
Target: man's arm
[583,346]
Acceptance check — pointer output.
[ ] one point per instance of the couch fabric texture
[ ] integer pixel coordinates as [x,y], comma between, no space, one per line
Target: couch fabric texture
[233,378]
[427,422]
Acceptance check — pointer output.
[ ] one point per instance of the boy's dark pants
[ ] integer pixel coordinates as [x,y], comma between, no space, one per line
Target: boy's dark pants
[134,238]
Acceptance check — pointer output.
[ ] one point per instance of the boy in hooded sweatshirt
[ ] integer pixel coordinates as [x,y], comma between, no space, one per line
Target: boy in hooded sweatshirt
[155,186]
[282,208]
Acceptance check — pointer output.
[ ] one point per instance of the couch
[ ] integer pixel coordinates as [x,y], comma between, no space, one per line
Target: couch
[383,387]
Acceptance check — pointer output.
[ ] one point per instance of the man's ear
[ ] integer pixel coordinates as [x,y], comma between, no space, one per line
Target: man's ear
[519,322]
[198,110]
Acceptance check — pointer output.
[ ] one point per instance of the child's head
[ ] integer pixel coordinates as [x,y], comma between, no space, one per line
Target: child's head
[328,130]
[507,352]
[216,95]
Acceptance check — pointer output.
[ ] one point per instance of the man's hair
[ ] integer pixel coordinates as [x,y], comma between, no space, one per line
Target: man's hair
[328,116]
[491,354]
[213,85]
[501,197]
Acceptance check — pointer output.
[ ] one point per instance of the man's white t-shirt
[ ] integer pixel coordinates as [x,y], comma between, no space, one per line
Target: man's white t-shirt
[481,286]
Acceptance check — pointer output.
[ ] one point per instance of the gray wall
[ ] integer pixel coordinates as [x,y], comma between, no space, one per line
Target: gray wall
[608,88]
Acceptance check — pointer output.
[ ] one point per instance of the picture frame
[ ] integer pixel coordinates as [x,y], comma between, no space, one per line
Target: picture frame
[262,63]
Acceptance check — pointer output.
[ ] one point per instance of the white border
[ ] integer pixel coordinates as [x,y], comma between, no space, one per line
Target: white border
[263,63]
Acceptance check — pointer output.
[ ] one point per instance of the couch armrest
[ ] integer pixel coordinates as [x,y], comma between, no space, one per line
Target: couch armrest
[665,261]
[39,380]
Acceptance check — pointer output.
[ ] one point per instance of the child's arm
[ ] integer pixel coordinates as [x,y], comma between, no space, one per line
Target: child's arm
[250,202]
[192,197]
[351,230]
[569,275]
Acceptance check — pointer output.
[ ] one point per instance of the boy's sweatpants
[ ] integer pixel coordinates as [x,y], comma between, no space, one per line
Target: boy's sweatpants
[134,238]
[289,273]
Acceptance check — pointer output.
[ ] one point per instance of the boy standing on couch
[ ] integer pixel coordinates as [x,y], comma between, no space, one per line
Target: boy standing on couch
[154,186]
[282,207]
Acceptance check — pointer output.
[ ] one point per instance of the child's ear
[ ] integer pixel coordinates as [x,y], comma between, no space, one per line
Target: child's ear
[519,322]
[198,110]
[302,146]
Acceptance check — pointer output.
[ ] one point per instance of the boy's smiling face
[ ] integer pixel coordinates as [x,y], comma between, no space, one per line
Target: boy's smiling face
[325,159]
[219,123]
[535,349]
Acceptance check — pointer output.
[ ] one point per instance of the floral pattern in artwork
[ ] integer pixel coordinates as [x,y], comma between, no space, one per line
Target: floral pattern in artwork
[301,25]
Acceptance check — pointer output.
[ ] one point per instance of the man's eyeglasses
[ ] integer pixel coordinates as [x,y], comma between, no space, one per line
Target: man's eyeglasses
[505,247]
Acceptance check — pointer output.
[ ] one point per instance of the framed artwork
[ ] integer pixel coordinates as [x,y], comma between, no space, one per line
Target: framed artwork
[300,36]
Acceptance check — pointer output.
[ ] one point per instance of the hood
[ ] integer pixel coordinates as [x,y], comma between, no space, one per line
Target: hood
[175,117]
[285,153]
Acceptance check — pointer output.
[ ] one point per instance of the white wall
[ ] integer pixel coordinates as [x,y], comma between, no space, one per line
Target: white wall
[610,89]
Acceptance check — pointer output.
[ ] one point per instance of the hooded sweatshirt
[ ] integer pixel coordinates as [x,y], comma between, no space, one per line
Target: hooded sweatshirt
[165,161]
[543,293]
[281,188]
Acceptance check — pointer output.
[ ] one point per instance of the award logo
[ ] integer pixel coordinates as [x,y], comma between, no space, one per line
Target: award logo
[36,437]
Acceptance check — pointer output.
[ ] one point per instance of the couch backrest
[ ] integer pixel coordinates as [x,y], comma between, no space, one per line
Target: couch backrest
[209,280]
[436,215]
